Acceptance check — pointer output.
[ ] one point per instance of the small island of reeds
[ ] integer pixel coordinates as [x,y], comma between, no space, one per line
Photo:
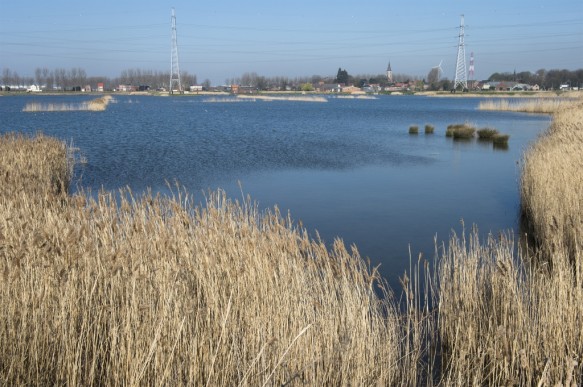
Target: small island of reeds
[429,129]
[95,105]
[460,131]
[413,129]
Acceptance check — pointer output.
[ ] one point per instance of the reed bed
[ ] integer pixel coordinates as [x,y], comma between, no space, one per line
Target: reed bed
[460,131]
[529,105]
[95,105]
[486,134]
[429,129]
[157,291]
[303,98]
[356,97]
[552,184]
[503,321]
[413,129]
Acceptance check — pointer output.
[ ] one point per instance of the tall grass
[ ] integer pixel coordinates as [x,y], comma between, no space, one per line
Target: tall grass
[486,134]
[503,321]
[303,98]
[552,184]
[529,105]
[95,105]
[154,290]
[460,131]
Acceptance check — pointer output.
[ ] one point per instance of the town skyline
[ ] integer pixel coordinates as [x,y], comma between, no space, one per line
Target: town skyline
[223,41]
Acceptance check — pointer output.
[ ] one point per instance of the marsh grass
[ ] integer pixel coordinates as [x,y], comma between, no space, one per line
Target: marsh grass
[464,133]
[552,184]
[154,290]
[486,134]
[413,129]
[269,98]
[452,129]
[95,105]
[429,129]
[529,105]
[500,139]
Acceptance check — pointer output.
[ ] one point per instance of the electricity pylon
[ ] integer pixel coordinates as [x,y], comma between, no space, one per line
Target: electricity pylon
[174,68]
[460,68]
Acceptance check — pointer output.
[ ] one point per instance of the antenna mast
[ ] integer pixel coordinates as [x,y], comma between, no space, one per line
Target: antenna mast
[174,69]
[460,68]
[471,76]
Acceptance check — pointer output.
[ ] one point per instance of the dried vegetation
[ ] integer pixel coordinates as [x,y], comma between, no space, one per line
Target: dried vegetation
[95,105]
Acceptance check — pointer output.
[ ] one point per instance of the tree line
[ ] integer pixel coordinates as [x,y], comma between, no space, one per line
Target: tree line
[546,79]
[76,77]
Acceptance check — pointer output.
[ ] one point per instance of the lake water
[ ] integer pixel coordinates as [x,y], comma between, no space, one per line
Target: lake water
[346,168]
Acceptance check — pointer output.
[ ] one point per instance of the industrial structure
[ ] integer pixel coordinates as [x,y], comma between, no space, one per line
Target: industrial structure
[460,78]
[174,68]
[471,76]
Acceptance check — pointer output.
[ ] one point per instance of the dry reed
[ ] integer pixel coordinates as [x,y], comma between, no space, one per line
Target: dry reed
[529,105]
[95,105]
[156,291]
[552,183]
[486,134]
[303,98]
[413,129]
[503,321]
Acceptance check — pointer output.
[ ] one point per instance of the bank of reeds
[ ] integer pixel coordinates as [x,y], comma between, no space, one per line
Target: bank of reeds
[95,105]
[503,321]
[293,98]
[460,131]
[156,291]
[552,184]
[526,105]
[486,134]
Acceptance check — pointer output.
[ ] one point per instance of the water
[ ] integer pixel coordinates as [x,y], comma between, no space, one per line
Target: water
[345,168]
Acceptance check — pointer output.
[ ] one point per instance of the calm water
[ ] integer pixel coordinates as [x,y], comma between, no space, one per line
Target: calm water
[346,168]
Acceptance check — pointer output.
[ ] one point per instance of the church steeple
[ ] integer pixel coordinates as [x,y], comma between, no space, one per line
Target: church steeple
[389,73]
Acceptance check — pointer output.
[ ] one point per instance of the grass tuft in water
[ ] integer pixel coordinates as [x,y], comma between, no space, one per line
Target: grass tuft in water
[487,134]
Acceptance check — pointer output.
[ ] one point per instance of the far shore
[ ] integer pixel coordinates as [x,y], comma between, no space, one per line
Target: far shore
[442,94]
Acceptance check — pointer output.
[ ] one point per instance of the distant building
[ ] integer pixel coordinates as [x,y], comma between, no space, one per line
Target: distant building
[389,73]
[33,89]
[100,87]
[196,88]
[329,87]
[127,88]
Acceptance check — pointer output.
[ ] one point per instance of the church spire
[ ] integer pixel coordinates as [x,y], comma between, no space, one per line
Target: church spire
[389,73]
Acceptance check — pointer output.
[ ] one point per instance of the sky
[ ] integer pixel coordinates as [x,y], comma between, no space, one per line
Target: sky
[223,39]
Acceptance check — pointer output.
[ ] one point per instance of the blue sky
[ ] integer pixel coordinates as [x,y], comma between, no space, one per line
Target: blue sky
[224,38]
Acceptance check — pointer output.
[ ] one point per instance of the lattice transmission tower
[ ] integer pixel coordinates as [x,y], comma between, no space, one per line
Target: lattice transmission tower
[460,68]
[174,68]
